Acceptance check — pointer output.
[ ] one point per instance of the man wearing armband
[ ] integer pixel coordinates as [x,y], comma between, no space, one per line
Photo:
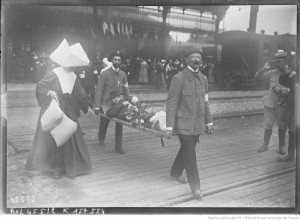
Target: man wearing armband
[188,113]
[110,80]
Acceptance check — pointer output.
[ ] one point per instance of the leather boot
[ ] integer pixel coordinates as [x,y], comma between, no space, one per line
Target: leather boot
[281,135]
[267,136]
[291,148]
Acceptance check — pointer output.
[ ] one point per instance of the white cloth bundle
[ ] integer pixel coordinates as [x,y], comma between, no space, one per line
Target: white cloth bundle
[159,121]
[52,116]
[64,131]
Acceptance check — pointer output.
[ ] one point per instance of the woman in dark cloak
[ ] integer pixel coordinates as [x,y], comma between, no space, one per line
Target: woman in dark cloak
[72,158]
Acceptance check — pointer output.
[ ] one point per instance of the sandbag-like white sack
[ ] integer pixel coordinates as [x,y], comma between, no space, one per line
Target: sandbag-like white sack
[64,131]
[159,121]
[52,116]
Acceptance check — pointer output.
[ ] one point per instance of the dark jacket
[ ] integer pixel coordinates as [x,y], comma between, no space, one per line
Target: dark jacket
[290,82]
[110,81]
[118,110]
[187,111]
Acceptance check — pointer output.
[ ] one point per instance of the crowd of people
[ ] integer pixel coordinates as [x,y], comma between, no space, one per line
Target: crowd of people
[76,84]
[151,71]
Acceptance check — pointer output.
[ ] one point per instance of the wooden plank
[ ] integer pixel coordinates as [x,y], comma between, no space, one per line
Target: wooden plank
[228,196]
[260,196]
[143,158]
[284,199]
[141,176]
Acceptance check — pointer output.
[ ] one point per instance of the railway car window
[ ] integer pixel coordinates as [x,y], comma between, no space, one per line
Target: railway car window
[267,49]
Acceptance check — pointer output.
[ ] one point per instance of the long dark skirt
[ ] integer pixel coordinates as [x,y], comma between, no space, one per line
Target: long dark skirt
[71,158]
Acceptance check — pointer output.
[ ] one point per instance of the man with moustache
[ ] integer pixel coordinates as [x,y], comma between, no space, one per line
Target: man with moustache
[111,79]
[188,113]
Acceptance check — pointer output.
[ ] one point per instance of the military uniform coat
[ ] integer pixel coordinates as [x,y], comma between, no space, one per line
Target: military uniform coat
[109,81]
[187,105]
[271,98]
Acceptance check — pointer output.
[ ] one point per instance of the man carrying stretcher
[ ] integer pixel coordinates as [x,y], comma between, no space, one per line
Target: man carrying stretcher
[112,79]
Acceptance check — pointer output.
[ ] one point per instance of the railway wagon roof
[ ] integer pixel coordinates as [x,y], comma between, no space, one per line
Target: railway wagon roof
[233,36]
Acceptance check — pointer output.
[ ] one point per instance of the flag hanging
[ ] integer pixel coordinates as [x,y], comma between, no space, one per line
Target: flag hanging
[118,28]
[122,28]
[126,30]
[131,30]
[112,30]
[93,33]
[105,27]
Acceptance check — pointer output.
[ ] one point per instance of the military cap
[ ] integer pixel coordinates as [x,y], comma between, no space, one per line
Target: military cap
[115,53]
[116,93]
[190,51]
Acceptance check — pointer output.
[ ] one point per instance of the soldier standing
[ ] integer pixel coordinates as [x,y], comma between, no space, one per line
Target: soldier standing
[274,101]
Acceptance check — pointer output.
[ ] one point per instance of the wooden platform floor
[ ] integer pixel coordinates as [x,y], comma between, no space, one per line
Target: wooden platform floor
[232,172]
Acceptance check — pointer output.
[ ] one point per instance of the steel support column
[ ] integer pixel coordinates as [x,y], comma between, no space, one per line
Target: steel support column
[165,32]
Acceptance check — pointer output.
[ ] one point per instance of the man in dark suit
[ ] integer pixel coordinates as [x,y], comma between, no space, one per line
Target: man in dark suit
[111,79]
[288,79]
[188,113]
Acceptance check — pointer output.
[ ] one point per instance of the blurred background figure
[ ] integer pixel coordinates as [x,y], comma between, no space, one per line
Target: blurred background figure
[143,75]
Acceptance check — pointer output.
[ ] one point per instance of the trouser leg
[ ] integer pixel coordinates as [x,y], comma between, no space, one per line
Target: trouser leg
[269,117]
[119,137]
[280,116]
[188,158]
[281,135]
[103,128]
[267,136]
[177,167]
[291,147]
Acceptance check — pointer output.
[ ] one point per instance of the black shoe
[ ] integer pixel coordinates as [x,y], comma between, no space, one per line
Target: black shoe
[263,148]
[180,179]
[197,194]
[101,143]
[121,151]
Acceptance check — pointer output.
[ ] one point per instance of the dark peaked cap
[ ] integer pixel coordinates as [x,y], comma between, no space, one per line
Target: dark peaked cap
[190,51]
[116,93]
[115,53]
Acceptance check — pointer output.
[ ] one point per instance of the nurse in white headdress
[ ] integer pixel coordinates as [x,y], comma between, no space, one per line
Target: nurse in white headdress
[61,84]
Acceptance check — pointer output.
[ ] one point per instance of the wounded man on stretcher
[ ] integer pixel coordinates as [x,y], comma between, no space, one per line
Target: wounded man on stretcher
[129,109]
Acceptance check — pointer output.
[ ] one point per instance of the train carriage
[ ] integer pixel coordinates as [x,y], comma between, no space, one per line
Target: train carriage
[243,53]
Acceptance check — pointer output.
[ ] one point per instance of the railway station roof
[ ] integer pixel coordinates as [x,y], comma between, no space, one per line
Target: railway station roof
[203,6]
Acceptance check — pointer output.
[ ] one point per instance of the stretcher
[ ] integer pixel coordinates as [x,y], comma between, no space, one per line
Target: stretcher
[143,129]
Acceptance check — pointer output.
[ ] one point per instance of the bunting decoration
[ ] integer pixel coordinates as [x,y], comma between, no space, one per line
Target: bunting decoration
[93,33]
[122,28]
[105,27]
[126,30]
[112,30]
[118,28]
